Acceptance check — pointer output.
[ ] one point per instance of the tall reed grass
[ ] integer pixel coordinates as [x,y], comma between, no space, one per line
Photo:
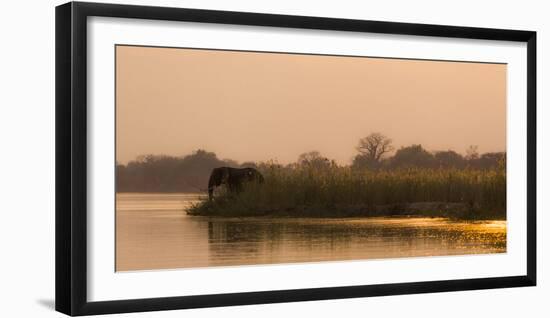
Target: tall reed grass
[334,191]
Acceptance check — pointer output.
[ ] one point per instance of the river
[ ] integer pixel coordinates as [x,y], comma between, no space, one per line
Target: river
[153,231]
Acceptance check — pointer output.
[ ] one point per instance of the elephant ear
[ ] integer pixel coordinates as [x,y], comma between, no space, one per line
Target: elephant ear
[216,177]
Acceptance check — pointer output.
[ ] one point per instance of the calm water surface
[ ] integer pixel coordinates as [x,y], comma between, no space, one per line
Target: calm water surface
[154,232]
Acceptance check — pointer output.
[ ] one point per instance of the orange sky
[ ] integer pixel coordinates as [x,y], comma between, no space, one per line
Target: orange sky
[251,106]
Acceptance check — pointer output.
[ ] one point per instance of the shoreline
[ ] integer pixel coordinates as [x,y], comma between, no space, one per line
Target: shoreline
[449,210]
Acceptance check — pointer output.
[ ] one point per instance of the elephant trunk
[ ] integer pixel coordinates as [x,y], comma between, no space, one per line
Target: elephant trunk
[210,193]
[211,184]
[215,180]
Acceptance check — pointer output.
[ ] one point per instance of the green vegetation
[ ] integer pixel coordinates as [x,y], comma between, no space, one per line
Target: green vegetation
[378,182]
[304,190]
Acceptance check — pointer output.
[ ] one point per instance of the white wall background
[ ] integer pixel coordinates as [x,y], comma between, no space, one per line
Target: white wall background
[27,158]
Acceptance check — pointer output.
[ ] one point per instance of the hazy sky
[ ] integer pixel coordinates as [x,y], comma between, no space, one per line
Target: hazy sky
[258,106]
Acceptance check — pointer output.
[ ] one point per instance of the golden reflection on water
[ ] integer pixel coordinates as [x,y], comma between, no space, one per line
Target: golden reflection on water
[154,232]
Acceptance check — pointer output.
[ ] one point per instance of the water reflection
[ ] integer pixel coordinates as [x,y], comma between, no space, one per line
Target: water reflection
[259,240]
[153,232]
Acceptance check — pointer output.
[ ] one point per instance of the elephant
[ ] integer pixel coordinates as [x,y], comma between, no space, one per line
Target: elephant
[233,178]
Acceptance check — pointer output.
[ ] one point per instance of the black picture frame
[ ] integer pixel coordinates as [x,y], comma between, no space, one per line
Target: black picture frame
[71,157]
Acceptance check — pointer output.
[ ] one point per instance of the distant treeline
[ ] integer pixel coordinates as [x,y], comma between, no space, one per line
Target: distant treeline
[190,173]
[154,173]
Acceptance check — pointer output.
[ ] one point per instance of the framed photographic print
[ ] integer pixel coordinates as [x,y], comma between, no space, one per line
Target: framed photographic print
[213,158]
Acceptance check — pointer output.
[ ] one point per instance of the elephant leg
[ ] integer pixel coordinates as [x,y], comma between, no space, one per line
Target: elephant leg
[234,184]
[231,186]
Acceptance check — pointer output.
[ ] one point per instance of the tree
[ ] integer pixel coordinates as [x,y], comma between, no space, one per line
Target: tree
[449,159]
[374,146]
[413,156]
[314,159]
[489,160]
[371,151]
[361,162]
[471,153]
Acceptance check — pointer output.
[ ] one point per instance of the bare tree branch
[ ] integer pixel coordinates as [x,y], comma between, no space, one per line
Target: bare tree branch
[374,146]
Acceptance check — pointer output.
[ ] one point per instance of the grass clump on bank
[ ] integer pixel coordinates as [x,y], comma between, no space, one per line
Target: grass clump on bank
[334,191]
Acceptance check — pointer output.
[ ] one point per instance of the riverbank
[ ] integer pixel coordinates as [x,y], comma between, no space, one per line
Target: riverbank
[459,211]
[344,192]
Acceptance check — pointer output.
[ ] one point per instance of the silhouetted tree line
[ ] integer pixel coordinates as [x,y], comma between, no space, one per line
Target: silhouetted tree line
[373,148]
[160,173]
[152,173]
